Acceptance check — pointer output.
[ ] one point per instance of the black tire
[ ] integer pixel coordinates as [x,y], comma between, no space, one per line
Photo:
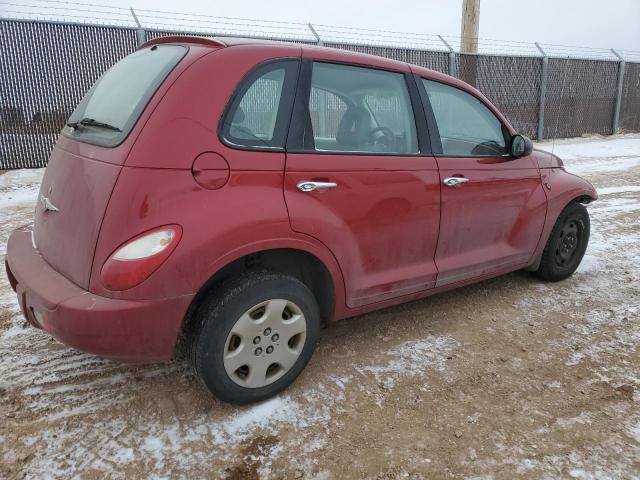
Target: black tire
[217,315]
[566,245]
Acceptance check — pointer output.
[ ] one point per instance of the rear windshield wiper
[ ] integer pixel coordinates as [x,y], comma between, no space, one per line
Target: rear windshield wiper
[90,122]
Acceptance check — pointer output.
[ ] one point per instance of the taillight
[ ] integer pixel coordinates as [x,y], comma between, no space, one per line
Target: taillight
[137,259]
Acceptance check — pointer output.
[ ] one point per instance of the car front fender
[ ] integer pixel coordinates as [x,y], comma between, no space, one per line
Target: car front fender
[561,188]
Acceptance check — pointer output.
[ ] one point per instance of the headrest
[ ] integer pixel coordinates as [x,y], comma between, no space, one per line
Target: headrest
[238,117]
[354,127]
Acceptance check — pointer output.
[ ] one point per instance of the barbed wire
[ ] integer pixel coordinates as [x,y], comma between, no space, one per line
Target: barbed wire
[83,4]
[101,14]
[19,16]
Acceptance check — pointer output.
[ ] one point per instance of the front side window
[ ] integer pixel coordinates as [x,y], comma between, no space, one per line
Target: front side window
[466,126]
[356,109]
[109,110]
[258,115]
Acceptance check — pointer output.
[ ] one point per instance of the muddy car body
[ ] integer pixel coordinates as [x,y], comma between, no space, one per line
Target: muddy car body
[252,190]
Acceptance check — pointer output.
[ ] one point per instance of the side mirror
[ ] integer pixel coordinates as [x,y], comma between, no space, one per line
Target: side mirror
[521,146]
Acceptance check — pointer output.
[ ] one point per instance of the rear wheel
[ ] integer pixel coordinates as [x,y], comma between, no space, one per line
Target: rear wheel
[566,245]
[252,338]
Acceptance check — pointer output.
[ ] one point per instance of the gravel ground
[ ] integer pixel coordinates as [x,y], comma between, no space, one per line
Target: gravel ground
[509,378]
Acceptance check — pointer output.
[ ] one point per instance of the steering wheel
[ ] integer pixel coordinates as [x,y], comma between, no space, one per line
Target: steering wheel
[386,140]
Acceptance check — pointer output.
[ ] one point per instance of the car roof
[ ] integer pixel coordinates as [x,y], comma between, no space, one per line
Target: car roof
[309,50]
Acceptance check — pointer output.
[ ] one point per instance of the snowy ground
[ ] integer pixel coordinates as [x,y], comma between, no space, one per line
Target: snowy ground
[505,379]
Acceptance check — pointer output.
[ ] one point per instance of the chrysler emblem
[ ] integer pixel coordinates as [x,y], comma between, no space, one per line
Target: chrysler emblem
[47,206]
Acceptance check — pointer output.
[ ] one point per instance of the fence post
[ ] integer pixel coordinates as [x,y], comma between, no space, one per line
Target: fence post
[141,35]
[452,57]
[543,92]
[616,110]
[315,34]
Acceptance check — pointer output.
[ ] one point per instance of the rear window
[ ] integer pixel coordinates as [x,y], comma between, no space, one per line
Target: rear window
[259,112]
[108,112]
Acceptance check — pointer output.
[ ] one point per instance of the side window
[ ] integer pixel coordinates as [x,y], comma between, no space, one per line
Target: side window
[466,126]
[259,113]
[356,109]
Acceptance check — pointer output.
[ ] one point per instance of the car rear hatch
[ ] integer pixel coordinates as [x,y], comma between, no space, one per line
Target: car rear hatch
[86,161]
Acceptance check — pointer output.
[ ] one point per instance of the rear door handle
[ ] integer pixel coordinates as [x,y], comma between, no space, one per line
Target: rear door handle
[453,181]
[309,186]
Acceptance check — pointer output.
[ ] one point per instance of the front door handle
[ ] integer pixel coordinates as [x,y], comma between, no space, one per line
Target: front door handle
[309,186]
[453,181]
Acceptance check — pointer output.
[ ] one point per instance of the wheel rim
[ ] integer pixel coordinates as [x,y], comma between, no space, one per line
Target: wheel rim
[568,243]
[265,343]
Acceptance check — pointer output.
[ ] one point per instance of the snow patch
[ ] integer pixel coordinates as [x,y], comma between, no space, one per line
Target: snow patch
[19,197]
[590,263]
[19,188]
[599,165]
[624,189]
[21,177]
[276,410]
[583,419]
[594,147]
[634,431]
[617,205]
[409,360]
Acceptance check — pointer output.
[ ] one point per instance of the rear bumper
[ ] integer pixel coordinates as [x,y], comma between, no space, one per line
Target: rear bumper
[137,331]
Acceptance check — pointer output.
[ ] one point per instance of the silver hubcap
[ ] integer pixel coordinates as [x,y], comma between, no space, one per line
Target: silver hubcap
[265,343]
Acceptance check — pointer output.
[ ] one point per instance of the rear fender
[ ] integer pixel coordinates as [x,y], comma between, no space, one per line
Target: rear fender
[292,241]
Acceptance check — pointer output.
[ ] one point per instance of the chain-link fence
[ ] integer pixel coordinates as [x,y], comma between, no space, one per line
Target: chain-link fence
[438,61]
[511,83]
[46,67]
[630,101]
[581,96]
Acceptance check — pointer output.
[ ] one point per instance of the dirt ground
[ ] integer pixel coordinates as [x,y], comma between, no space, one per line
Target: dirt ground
[509,378]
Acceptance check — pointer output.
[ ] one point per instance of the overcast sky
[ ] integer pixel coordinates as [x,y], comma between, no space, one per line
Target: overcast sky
[595,23]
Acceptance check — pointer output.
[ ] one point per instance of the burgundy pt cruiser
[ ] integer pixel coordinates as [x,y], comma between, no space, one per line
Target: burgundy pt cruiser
[235,194]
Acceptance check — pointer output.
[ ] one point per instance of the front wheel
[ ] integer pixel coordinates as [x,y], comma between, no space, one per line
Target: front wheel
[566,245]
[254,336]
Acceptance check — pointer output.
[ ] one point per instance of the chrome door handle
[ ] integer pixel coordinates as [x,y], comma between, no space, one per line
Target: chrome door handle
[309,186]
[453,181]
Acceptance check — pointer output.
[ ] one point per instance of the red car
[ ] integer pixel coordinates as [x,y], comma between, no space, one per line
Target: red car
[236,194]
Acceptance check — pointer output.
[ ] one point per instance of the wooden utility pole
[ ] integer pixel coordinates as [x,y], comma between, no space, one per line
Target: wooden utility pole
[468,65]
[470,26]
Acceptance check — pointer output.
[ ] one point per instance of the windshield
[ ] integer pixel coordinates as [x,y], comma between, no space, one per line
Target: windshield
[109,110]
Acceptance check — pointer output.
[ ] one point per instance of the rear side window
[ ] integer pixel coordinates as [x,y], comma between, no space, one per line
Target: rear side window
[466,126]
[259,113]
[357,109]
[108,112]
